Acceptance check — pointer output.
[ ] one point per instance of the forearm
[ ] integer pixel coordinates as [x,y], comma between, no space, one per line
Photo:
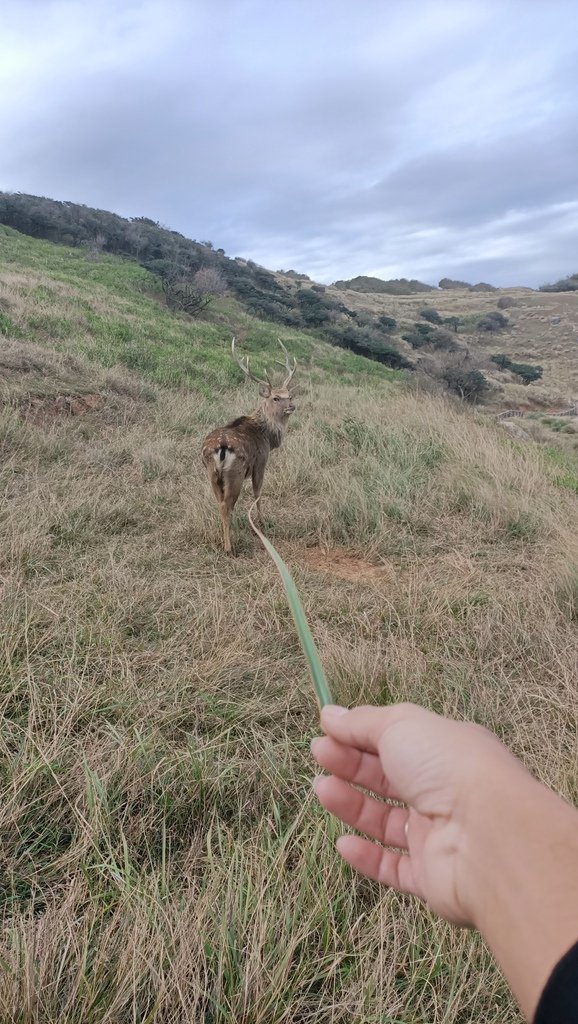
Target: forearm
[524,879]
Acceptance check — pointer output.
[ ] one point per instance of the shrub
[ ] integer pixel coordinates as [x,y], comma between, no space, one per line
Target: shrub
[470,385]
[506,302]
[387,323]
[501,360]
[526,371]
[493,322]
[431,315]
[415,339]
[483,286]
[442,340]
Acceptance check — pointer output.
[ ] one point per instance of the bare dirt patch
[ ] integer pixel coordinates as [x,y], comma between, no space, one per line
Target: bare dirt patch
[44,411]
[343,564]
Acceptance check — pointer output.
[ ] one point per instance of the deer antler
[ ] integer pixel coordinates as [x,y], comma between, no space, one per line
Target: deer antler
[287,365]
[244,364]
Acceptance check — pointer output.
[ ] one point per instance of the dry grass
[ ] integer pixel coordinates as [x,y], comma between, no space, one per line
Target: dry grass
[543,328]
[163,858]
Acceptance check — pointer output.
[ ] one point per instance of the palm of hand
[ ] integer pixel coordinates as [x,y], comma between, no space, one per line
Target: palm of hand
[421,761]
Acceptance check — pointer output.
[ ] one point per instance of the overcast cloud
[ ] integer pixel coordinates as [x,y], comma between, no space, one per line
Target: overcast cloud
[388,137]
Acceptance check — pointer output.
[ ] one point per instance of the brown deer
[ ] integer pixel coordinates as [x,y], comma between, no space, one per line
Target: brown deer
[242,448]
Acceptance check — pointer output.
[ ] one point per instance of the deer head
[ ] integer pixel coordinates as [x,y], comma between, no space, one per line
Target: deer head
[278,402]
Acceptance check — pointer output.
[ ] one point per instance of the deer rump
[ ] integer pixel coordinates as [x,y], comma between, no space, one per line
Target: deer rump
[242,442]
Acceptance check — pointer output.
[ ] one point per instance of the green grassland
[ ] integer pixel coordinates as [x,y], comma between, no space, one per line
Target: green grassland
[163,858]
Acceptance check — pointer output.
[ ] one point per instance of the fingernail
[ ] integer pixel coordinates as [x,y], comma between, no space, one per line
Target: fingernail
[334,709]
[316,780]
[314,744]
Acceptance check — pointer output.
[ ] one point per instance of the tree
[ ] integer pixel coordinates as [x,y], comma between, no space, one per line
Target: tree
[193,295]
[453,322]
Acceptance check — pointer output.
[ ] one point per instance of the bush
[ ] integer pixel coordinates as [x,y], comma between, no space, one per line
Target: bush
[387,323]
[470,385]
[506,302]
[526,371]
[442,340]
[483,286]
[431,315]
[424,335]
[501,360]
[415,339]
[368,343]
[493,322]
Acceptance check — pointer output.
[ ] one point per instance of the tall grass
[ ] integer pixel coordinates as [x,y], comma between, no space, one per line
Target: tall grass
[163,859]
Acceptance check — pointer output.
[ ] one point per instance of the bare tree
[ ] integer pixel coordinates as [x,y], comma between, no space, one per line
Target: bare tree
[193,295]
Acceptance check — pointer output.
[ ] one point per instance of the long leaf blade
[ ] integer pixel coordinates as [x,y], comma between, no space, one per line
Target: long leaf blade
[305,638]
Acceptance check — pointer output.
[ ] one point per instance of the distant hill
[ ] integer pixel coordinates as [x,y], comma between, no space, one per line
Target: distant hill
[383,321]
[447,284]
[398,286]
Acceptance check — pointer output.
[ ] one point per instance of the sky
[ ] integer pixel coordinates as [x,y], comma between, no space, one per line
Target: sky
[395,138]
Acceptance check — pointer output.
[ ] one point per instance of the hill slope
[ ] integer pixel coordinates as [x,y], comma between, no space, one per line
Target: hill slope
[348,315]
[164,859]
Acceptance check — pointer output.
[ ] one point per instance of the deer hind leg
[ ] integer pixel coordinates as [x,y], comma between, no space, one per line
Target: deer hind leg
[231,492]
[257,481]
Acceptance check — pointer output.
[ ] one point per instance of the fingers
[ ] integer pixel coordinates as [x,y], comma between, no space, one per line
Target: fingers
[364,727]
[353,765]
[385,866]
[380,821]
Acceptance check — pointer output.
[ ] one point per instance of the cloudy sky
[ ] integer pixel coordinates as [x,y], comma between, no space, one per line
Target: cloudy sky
[385,137]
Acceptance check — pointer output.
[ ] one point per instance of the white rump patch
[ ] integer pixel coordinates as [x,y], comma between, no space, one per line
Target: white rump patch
[223,463]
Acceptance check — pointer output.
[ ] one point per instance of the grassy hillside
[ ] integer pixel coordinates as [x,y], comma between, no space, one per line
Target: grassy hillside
[163,858]
[542,328]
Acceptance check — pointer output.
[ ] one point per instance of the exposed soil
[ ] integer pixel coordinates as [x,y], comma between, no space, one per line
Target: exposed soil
[44,411]
[344,564]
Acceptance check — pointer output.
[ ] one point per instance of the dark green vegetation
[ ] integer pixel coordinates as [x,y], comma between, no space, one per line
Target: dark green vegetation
[526,371]
[566,284]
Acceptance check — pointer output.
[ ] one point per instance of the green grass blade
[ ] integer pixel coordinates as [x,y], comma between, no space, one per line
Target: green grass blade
[306,640]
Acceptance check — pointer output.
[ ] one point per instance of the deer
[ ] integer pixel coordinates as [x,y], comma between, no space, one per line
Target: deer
[241,448]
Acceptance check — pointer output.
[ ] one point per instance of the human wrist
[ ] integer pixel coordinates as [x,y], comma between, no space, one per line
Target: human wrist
[521,877]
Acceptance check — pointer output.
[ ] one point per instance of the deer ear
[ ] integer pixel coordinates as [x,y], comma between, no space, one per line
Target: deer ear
[264,390]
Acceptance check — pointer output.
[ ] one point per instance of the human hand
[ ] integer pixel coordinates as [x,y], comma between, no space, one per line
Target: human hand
[445,773]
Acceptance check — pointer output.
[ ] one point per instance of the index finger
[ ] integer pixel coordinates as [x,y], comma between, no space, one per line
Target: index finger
[363,727]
